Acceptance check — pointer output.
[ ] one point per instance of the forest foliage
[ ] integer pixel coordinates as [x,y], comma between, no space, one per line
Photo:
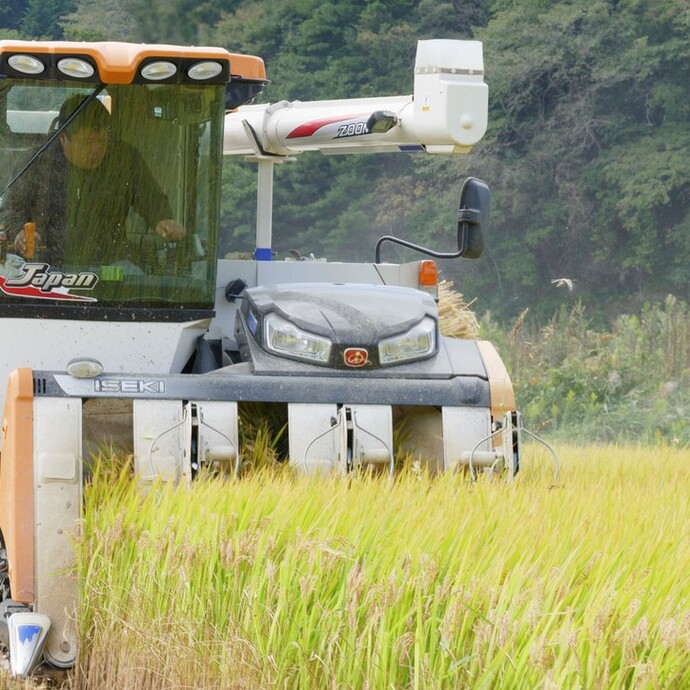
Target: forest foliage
[586,151]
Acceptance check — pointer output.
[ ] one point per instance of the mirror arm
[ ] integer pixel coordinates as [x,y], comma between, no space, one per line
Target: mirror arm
[473,192]
[411,245]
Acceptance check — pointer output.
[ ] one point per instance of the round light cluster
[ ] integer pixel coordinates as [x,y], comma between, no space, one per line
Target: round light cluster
[164,69]
[78,68]
[200,71]
[70,66]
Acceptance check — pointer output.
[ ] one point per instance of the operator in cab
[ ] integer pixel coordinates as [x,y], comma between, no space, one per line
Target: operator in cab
[80,192]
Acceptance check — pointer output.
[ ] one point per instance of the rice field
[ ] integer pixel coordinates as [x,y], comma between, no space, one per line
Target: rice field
[276,581]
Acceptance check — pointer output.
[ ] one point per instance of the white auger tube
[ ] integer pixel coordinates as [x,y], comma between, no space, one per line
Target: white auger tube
[447,113]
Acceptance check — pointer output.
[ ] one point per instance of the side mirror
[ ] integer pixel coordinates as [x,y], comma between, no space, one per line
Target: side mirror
[473,217]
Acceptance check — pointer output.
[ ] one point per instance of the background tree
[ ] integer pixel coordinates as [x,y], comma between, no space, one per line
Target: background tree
[586,151]
[589,125]
[100,20]
[41,18]
[12,13]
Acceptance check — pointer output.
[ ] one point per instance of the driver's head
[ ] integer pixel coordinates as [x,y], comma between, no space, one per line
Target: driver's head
[85,141]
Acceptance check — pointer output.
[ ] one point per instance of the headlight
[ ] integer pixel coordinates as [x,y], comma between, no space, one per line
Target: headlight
[204,70]
[26,64]
[418,342]
[75,67]
[156,71]
[284,338]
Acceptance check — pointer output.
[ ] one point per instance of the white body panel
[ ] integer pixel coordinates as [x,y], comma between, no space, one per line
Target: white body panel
[318,437]
[314,271]
[218,439]
[57,510]
[119,346]
[463,428]
[372,428]
[313,447]
[161,440]
[437,439]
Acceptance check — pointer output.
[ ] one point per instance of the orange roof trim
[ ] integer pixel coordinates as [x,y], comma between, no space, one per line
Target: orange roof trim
[117,62]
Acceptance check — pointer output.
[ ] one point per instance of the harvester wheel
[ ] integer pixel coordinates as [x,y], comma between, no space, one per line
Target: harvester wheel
[4,572]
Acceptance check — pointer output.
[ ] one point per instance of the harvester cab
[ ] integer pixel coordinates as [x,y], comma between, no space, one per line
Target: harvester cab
[109,193]
[109,197]
[121,325]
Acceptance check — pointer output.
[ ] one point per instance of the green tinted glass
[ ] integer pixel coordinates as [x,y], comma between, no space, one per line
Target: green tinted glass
[126,193]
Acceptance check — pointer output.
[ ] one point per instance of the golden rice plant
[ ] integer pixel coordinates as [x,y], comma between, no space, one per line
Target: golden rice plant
[283,581]
[456,318]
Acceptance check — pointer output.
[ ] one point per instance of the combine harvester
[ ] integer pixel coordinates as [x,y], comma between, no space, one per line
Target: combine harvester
[130,332]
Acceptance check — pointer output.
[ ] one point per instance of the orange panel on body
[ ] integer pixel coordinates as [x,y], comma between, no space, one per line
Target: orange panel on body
[17,484]
[500,385]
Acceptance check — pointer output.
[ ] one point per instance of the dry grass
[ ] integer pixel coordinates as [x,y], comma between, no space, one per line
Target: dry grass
[278,581]
[275,581]
[456,319]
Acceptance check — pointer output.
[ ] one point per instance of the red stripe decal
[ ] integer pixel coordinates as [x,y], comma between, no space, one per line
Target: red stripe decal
[309,128]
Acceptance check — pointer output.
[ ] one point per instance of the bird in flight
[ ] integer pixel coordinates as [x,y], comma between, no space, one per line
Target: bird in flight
[564,282]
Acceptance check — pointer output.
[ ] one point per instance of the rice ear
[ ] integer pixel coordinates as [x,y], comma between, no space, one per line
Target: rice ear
[456,319]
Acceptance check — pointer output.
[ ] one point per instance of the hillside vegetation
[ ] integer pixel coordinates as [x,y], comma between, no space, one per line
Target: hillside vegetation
[586,151]
[582,381]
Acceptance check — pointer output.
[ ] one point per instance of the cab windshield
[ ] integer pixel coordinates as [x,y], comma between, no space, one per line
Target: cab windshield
[109,195]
